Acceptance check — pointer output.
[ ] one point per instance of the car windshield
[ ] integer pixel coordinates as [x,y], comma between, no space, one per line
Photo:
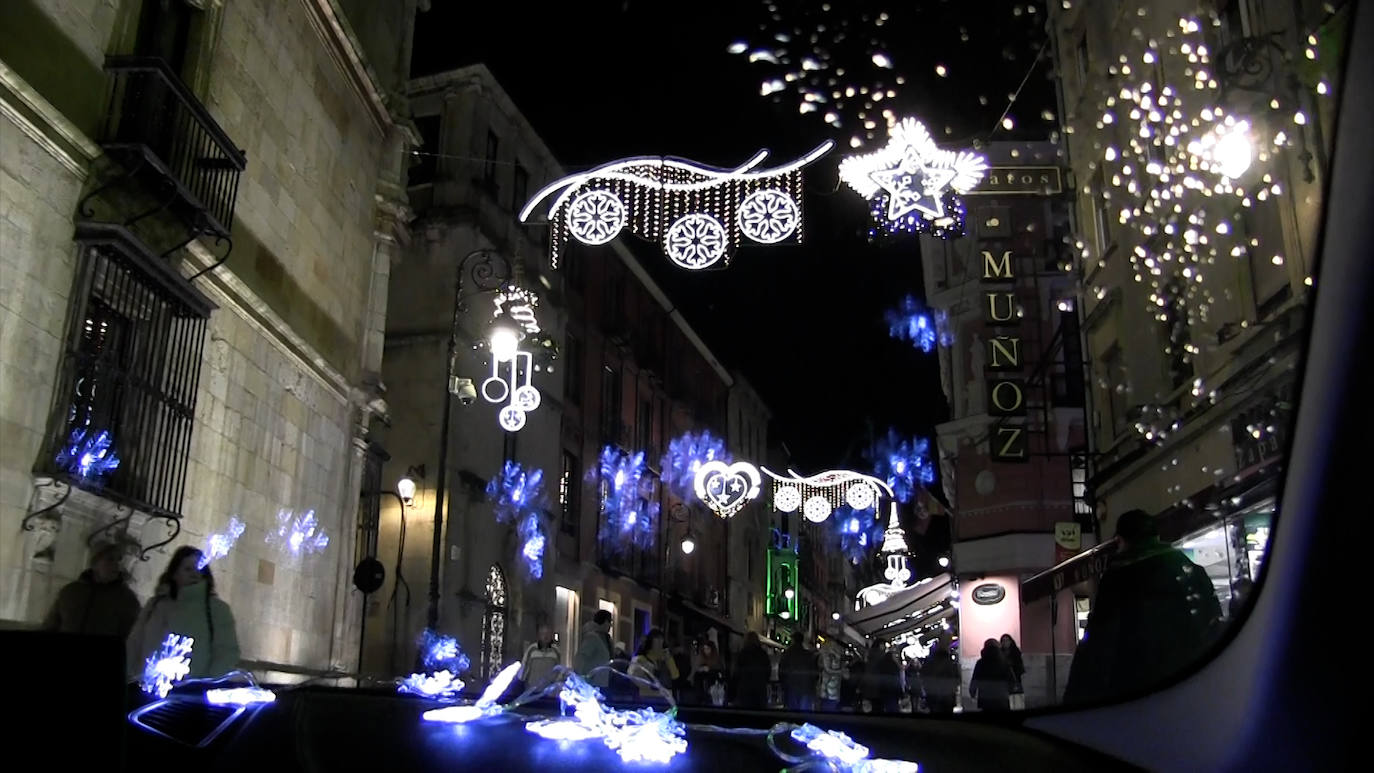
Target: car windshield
[805,358]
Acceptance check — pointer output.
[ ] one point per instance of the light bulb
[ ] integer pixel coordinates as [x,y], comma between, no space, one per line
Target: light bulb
[944,561]
[405,487]
[788,594]
[785,615]
[688,545]
[834,615]
[1234,151]
[504,343]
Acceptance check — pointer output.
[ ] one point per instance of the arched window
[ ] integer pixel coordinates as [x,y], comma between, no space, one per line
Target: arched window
[494,622]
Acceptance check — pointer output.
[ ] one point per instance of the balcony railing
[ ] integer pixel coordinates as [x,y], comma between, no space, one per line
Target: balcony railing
[155,121]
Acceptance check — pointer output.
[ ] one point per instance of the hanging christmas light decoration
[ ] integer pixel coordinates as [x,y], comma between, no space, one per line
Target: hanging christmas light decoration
[697,213]
[727,488]
[820,495]
[903,462]
[897,571]
[628,505]
[517,496]
[857,532]
[912,321]
[89,455]
[912,184]
[513,323]
[686,453]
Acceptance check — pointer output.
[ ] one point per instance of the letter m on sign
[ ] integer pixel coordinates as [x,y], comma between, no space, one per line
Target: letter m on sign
[997,269]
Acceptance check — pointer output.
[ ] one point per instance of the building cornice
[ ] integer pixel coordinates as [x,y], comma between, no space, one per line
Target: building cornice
[45,124]
[346,51]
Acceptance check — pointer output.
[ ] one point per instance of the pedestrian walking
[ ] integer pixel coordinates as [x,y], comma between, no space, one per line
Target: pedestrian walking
[990,684]
[797,674]
[536,666]
[186,604]
[99,602]
[594,650]
[653,662]
[753,670]
[940,679]
[1016,665]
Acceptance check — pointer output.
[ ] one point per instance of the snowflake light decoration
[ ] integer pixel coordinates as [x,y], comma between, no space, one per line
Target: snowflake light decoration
[217,545]
[695,241]
[912,182]
[857,532]
[911,321]
[903,462]
[686,453]
[441,685]
[768,216]
[641,735]
[298,535]
[699,214]
[596,217]
[830,744]
[629,508]
[517,496]
[89,455]
[169,664]
[440,652]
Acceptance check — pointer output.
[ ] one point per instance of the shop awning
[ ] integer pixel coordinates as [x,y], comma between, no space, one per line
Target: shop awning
[1082,567]
[710,616]
[913,605]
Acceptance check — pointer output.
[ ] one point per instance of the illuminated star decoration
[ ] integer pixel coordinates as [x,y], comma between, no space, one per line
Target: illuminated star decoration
[167,665]
[217,545]
[298,535]
[517,497]
[630,512]
[686,453]
[911,321]
[89,455]
[912,183]
[903,462]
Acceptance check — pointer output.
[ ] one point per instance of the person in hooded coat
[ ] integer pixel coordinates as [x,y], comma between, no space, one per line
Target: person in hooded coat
[753,671]
[99,602]
[185,604]
[1155,612]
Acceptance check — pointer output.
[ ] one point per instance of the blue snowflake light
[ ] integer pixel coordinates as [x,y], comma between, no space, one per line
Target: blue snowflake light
[911,321]
[642,735]
[441,685]
[686,453]
[950,226]
[517,496]
[168,665]
[904,463]
[217,545]
[856,531]
[629,511]
[89,455]
[442,653]
[298,535]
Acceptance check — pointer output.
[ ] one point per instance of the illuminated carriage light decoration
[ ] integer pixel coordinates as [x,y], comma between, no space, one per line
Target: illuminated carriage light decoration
[517,387]
[727,488]
[819,495]
[913,185]
[699,214]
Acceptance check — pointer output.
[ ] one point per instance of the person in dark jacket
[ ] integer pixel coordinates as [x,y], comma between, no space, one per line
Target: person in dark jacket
[940,680]
[99,601]
[753,670]
[797,673]
[1154,613]
[990,684]
[1011,655]
[882,680]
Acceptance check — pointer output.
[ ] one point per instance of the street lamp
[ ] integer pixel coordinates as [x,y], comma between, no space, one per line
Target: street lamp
[788,594]
[835,616]
[405,487]
[689,544]
[486,271]
[504,338]
[944,561]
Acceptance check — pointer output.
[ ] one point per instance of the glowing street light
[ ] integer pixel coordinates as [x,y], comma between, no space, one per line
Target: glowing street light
[944,561]
[688,544]
[504,339]
[405,488]
[835,616]
[788,594]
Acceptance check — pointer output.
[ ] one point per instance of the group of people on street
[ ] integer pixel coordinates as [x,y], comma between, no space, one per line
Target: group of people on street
[101,603]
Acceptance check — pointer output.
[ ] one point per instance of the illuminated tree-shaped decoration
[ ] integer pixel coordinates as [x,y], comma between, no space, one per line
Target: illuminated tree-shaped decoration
[699,214]
[912,184]
[1179,183]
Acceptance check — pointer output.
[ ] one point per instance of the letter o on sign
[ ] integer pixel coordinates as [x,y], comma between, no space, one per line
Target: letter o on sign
[1007,397]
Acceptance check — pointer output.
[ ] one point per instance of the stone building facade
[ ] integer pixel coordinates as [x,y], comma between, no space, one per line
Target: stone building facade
[273,136]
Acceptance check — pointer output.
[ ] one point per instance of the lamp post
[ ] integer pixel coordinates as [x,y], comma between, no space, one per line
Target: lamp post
[485,271]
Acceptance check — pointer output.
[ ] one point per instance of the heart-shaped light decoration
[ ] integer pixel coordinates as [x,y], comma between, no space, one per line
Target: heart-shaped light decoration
[726,488]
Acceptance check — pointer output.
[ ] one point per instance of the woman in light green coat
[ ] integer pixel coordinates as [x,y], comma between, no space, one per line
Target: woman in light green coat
[186,604]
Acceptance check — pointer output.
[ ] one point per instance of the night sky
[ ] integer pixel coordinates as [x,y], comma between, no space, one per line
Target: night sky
[605,79]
